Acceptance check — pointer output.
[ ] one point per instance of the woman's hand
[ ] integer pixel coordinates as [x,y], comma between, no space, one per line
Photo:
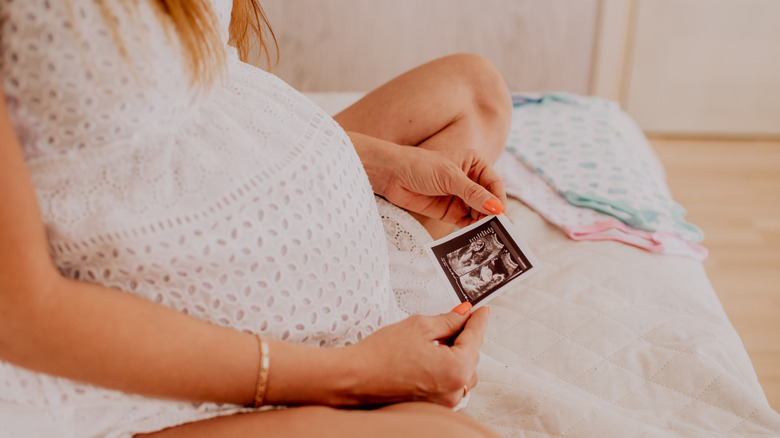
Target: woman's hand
[458,187]
[422,358]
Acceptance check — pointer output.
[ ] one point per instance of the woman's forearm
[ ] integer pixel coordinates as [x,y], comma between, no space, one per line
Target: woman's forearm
[108,338]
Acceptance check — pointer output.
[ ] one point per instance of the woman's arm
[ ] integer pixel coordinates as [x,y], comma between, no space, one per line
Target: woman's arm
[457,111]
[116,340]
[96,334]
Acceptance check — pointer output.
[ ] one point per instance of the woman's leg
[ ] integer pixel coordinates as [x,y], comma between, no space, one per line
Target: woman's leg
[407,420]
[456,102]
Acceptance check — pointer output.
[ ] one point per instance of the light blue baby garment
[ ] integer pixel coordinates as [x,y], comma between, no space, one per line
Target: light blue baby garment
[576,144]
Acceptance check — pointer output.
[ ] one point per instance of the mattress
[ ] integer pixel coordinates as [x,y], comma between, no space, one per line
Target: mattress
[609,340]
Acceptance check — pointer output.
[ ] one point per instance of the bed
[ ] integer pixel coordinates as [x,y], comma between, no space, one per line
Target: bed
[610,340]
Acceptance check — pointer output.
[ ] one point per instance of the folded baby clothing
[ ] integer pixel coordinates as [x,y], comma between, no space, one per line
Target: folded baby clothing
[581,223]
[594,156]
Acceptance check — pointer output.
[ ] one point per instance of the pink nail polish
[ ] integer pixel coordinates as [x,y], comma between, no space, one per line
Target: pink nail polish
[493,205]
[462,308]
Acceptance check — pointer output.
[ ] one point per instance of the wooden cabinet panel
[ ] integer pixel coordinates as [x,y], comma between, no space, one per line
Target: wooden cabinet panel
[707,67]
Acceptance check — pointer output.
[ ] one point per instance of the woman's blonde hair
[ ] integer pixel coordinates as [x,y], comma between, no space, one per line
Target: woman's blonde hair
[196,25]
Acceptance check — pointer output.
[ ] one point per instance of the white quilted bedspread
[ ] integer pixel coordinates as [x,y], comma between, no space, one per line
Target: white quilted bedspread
[607,340]
[610,341]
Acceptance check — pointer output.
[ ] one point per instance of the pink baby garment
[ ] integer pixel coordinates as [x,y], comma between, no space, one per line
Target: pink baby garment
[580,223]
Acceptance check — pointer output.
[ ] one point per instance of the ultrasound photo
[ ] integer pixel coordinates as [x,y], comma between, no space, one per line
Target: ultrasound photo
[481,259]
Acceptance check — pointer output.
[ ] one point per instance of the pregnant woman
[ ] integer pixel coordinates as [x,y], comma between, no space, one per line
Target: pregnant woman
[189,244]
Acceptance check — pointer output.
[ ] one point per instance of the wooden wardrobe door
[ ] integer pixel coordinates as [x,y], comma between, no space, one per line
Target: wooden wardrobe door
[705,67]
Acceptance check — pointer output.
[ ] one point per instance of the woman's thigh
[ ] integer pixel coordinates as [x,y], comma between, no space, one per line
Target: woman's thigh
[458,101]
[407,420]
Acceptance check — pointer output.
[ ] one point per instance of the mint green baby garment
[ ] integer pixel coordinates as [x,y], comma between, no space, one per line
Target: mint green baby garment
[577,146]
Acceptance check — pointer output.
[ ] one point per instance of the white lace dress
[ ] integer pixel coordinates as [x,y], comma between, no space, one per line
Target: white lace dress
[244,205]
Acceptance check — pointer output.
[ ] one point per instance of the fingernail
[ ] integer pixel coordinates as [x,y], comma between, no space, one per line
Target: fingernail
[462,308]
[493,205]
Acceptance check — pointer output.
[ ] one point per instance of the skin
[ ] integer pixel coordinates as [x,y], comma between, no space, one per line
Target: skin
[457,110]
[108,338]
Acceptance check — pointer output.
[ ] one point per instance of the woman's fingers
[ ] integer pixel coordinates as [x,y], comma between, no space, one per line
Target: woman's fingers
[471,337]
[466,349]
[473,381]
[489,178]
[447,325]
[474,195]
[478,185]
[422,370]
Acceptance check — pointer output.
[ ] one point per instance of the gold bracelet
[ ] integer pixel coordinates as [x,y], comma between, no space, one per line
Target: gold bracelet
[262,374]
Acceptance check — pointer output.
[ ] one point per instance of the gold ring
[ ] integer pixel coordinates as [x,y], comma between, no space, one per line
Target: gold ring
[465,390]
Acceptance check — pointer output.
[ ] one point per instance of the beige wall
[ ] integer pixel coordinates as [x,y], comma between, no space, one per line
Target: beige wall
[355,45]
[679,67]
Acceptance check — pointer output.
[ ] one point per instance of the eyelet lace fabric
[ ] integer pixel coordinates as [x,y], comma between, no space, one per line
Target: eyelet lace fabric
[244,204]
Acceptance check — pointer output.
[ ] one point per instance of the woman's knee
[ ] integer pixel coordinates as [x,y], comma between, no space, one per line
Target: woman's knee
[410,420]
[486,99]
[484,84]
[435,420]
